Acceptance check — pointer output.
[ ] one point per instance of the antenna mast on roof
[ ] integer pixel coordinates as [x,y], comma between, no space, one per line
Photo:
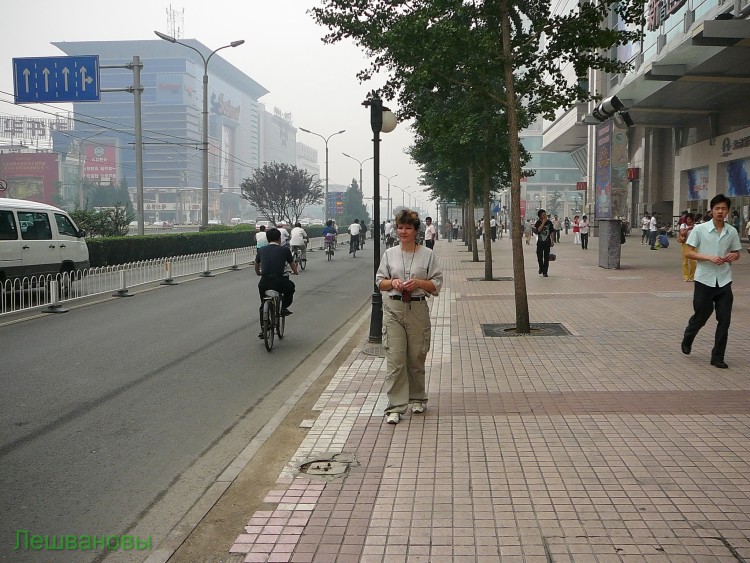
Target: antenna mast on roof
[176,22]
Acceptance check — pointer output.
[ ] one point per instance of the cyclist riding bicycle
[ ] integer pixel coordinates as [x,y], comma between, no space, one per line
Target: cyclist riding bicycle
[270,263]
[298,240]
[260,237]
[329,235]
[362,234]
[354,230]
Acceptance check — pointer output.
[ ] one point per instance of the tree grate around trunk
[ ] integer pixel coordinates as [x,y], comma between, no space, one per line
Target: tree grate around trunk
[501,330]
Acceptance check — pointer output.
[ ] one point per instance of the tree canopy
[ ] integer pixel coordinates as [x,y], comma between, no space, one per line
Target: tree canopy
[281,191]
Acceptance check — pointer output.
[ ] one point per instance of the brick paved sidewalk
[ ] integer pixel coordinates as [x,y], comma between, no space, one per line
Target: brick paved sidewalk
[605,444]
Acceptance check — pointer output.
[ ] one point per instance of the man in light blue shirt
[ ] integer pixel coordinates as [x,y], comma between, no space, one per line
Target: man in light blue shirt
[714,245]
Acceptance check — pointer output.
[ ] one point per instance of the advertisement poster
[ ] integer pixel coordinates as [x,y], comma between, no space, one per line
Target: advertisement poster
[100,165]
[619,173]
[603,174]
[697,183]
[31,176]
[737,178]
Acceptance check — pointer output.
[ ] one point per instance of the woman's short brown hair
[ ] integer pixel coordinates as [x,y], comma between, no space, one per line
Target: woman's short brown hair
[408,217]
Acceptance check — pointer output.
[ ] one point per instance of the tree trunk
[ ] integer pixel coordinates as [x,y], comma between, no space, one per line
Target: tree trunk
[474,241]
[487,229]
[519,277]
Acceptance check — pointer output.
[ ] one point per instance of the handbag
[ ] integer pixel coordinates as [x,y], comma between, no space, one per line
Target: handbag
[552,256]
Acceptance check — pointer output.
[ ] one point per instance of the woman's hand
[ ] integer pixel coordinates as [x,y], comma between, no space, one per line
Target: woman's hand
[409,285]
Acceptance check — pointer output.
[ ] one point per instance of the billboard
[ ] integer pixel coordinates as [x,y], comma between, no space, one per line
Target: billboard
[32,176]
[738,182]
[697,183]
[100,165]
[603,173]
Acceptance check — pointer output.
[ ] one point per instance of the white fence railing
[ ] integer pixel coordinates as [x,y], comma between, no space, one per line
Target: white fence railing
[40,291]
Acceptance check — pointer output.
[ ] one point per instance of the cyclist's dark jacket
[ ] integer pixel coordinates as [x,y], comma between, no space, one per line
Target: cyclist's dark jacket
[273,259]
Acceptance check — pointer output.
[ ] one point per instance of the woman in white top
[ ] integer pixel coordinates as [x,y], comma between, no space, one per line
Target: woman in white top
[583,227]
[408,273]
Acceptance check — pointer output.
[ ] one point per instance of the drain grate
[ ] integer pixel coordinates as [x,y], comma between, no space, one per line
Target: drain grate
[374,351]
[500,330]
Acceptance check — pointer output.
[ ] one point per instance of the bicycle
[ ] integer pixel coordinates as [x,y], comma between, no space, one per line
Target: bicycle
[271,319]
[330,246]
[298,257]
[353,245]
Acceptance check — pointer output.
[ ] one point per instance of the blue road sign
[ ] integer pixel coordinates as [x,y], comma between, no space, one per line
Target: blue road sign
[56,79]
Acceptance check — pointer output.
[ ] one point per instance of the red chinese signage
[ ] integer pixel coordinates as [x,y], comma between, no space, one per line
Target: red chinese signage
[101,162]
[31,176]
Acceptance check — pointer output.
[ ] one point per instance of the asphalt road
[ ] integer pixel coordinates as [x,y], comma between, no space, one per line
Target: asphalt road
[123,412]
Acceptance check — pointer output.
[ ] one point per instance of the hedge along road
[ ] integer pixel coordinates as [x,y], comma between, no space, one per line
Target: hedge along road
[121,413]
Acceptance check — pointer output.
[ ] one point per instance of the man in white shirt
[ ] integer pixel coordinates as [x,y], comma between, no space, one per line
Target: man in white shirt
[260,237]
[354,230]
[715,245]
[298,239]
[389,234]
[493,228]
[652,230]
[430,233]
[284,235]
[645,222]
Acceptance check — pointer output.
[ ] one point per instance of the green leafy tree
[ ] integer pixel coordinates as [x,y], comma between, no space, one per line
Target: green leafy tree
[110,222]
[513,52]
[554,201]
[281,191]
[354,207]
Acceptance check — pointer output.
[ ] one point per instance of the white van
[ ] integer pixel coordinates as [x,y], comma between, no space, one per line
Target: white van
[38,239]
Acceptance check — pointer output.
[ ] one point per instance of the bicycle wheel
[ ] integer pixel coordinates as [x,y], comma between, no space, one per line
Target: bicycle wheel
[269,321]
[303,263]
[329,253]
[280,321]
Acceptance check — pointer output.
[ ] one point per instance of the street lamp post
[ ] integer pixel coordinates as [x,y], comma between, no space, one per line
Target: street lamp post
[361,162]
[390,206]
[325,139]
[381,119]
[204,205]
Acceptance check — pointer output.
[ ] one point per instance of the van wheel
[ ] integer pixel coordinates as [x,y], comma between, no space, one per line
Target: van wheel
[65,281]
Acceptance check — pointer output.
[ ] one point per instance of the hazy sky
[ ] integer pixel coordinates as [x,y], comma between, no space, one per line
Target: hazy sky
[282,51]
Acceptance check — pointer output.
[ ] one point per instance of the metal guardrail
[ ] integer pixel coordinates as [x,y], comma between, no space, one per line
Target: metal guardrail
[52,291]
[49,293]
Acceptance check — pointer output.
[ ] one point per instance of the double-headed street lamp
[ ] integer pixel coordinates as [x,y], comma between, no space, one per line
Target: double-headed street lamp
[390,207]
[361,162]
[325,139]
[204,214]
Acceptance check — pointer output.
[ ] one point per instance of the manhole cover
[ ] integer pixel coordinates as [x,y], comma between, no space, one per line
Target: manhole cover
[374,351]
[324,468]
[500,330]
[505,278]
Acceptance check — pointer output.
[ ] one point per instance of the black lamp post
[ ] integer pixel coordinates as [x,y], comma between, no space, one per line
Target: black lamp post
[378,114]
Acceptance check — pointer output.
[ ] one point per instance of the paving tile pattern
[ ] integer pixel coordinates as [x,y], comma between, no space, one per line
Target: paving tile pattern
[603,445]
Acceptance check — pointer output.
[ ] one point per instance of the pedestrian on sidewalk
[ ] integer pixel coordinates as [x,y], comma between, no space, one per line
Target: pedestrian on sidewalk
[455,229]
[527,230]
[576,230]
[653,230]
[645,222]
[714,245]
[557,225]
[493,228]
[544,241]
[584,229]
[688,265]
[430,234]
[407,275]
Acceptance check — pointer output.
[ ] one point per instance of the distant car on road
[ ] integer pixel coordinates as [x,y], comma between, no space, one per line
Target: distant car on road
[215,222]
[264,223]
[162,225]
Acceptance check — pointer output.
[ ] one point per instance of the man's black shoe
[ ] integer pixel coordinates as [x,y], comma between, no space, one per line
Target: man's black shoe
[260,335]
[285,312]
[719,364]
[686,347]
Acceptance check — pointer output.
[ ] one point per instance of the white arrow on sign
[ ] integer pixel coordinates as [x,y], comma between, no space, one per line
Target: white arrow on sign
[45,72]
[26,73]
[85,79]
[65,72]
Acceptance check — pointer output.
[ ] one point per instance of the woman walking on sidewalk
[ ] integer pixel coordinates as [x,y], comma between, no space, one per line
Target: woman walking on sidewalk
[688,265]
[406,276]
[544,241]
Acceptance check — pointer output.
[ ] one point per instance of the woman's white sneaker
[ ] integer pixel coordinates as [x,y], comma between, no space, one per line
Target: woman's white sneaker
[393,418]
[417,408]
